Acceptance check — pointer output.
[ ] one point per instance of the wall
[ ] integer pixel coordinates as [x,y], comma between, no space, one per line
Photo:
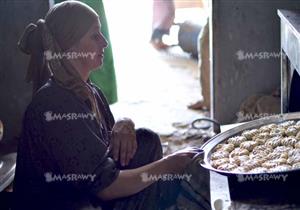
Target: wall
[15,93]
[239,27]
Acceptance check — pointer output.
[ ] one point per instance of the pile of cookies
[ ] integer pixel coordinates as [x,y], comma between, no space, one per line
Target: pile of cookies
[270,148]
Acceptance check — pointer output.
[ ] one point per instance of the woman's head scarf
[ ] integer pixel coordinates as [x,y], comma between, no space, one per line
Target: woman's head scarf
[47,40]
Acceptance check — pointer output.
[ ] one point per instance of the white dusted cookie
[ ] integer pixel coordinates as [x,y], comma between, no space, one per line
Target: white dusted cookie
[238,152]
[219,155]
[282,149]
[259,170]
[277,132]
[293,159]
[293,152]
[274,141]
[274,163]
[298,136]
[287,124]
[218,162]
[267,128]
[237,140]
[283,167]
[296,165]
[225,147]
[249,134]
[288,141]
[264,135]
[291,131]
[277,155]
[248,145]
[250,164]
[260,141]
[227,167]
[240,169]
[262,148]
[261,156]
[297,126]
[297,145]
[239,159]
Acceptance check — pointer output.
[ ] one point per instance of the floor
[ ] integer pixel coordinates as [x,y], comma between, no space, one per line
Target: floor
[154,87]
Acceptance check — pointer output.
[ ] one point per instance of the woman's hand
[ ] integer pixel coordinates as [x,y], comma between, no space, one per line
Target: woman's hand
[123,141]
[178,161]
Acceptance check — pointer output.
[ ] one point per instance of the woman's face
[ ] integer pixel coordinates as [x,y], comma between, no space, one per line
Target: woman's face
[90,49]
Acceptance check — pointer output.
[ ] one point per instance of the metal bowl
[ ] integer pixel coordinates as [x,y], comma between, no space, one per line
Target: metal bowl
[266,187]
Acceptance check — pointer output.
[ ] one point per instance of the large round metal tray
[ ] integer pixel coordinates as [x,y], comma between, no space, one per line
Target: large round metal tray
[209,146]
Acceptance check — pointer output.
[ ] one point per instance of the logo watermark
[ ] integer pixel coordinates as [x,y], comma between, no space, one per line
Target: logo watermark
[68,55]
[50,177]
[241,55]
[261,177]
[50,116]
[241,116]
[165,177]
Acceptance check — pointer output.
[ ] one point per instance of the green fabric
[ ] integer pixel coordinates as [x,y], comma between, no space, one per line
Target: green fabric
[104,77]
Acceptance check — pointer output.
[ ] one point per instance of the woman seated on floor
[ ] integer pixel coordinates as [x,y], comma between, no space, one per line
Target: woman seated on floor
[72,154]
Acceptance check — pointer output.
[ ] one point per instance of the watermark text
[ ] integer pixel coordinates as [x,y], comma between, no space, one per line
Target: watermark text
[165,177]
[49,55]
[262,177]
[50,116]
[241,55]
[50,177]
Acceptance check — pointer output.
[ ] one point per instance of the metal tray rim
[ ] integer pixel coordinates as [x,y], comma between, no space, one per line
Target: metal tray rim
[209,145]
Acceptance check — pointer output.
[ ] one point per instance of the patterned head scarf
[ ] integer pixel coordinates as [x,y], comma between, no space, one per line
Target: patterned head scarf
[64,25]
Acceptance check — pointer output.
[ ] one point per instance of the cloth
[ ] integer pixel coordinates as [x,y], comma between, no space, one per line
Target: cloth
[104,77]
[61,138]
[159,195]
[193,194]
[259,106]
[64,25]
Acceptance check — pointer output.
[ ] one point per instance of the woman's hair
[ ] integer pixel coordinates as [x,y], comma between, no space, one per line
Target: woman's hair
[46,41]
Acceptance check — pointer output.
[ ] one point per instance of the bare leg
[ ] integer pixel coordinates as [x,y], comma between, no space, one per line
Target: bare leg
[204,67]
[163,18]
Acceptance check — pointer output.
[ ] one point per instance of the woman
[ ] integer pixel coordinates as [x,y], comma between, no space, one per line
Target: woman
[103,76]
[72,154]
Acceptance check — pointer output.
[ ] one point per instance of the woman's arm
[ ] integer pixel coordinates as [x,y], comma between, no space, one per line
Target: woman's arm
[131,181]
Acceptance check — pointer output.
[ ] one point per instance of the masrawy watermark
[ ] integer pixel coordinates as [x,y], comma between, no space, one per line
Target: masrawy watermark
[50,177]
[241,116]
[165,177]
[242,55]
[68,55]
[261,177]
[50,116]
